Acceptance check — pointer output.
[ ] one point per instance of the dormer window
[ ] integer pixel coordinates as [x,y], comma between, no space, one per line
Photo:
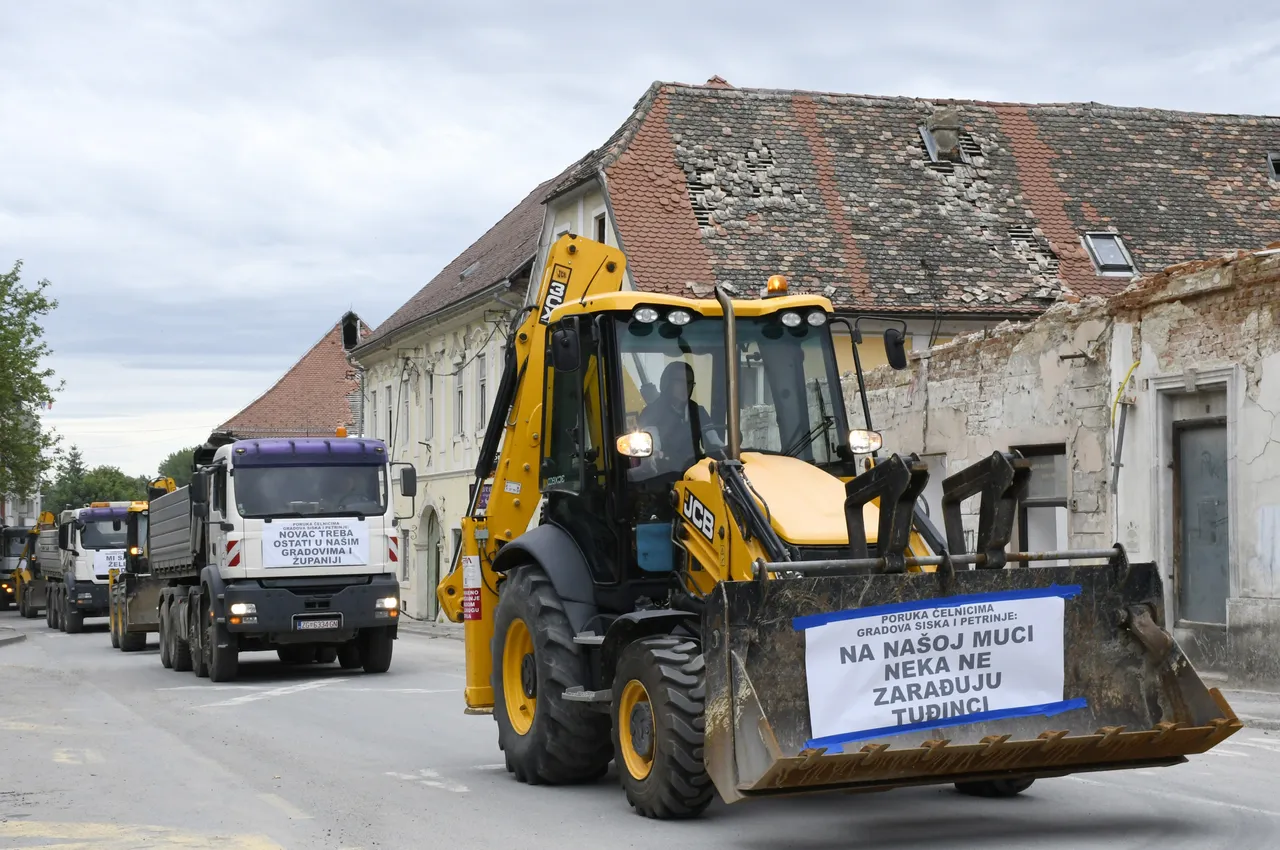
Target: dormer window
[1109,255]
[1273,163]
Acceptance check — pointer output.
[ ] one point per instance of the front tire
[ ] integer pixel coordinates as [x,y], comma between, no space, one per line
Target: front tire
[659,689]
[179,649]
[349,656]
[995,788]
[375,650]
[220,646]
[113,626]
[545,737]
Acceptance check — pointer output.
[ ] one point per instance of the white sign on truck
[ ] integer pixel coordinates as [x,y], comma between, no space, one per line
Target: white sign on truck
[335,542]
[106,560]
[906,667]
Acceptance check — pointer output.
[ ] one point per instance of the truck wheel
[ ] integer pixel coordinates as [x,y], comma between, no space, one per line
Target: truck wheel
[199,659]
[179,649]
[62,611]
[326,654]
[545,737]
[349,656]
[303,653]
[995,787]
[48,610]
[375,650]
[132,641]
[658,725]
[112,626]
[75,621]
[224,661]
[166,648]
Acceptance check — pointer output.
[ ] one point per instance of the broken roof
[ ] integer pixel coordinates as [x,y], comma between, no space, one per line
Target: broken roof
[316,396]
[712,184]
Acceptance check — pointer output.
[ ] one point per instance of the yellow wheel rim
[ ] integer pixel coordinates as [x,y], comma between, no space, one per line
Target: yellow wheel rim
[519,677]
[636,733]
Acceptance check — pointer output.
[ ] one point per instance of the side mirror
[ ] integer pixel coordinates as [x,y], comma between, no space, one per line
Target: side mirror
[199,489]
[408,481]
[200,509]
[566,355]
[894,348]
[63,535]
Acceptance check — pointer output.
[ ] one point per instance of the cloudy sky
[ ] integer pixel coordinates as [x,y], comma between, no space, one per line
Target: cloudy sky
[210,185]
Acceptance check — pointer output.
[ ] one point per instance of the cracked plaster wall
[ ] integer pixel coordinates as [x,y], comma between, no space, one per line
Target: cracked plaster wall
[1212,326]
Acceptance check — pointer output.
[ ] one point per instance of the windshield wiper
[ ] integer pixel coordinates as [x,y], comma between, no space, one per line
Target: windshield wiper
[814,433]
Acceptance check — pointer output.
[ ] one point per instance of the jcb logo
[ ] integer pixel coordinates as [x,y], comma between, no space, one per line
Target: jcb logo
[555,292]
[700,516]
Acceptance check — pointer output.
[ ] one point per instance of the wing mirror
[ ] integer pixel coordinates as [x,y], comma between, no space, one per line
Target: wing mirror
[895,348]
[566,354]
[408,481]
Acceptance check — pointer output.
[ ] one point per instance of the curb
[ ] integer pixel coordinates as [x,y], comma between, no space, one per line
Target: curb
[448,631]
[11,636]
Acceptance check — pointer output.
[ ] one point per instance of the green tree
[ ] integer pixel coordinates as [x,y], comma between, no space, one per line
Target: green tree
[25,385]
[178,466]
[66,490]
[109,484]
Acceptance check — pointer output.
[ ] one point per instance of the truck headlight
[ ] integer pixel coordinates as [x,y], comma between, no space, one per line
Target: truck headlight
[388,603]
[239,609]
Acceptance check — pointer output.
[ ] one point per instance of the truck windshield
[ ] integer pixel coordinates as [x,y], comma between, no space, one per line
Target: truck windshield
[283,491]
[674,387]
[102,534]
[13,544]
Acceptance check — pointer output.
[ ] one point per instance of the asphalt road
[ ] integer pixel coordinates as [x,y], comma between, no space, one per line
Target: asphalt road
[99,749]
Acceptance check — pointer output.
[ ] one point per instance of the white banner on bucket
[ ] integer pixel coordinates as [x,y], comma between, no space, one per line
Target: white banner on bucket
[889,669]
[335,542]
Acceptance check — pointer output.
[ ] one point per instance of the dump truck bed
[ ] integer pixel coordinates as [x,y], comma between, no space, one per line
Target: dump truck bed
[170,546]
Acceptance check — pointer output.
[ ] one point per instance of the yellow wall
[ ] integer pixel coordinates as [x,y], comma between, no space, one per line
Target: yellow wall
[870,351]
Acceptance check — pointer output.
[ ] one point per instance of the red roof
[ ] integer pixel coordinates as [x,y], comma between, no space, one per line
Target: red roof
[315,397]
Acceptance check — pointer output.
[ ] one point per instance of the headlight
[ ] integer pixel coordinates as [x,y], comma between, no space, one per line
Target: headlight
[679,317]
[134,550]
[865,442]
[239,609]
[646,315]
[791,320]
[389,603]
[636,444]
[817,318]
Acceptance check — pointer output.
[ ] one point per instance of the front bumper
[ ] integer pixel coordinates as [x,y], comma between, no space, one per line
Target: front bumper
[281,607]
[90,598]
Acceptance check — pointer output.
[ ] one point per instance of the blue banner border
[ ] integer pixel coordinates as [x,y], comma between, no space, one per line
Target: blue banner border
[1048,709]
[811,621]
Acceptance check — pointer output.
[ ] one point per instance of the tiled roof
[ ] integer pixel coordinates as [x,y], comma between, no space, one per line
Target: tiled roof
[717,184]
[312,398]
[496,256]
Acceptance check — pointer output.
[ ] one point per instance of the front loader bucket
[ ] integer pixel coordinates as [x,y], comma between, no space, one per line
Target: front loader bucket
[874,681]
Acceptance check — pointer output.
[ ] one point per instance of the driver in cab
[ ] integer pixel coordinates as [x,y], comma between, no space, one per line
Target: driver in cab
[679,425]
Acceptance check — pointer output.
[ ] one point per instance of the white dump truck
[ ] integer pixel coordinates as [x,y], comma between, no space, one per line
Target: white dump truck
[90,543]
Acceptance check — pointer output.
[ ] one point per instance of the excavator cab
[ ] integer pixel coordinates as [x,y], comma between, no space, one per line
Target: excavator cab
[729,590]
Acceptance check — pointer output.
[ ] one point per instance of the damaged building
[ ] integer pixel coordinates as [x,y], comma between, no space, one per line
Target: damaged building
[1151,419]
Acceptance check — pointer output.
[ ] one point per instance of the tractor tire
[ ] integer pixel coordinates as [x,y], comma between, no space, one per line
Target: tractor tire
[224,661]
[74,619]
[545,738]
[376,646]
[113,627]
[132,641]
[25,608]
[994,788]
[326,654]
[179,649]
[166,648]
[659,688]
[304,653]
[349,656]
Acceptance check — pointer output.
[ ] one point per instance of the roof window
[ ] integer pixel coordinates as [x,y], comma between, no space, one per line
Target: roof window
[1273,160]
[466,273]
[1108,253]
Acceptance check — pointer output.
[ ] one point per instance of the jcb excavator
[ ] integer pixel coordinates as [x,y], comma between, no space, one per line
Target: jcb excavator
[680,557]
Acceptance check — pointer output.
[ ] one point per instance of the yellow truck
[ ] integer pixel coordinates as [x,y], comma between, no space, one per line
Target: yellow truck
[681,556]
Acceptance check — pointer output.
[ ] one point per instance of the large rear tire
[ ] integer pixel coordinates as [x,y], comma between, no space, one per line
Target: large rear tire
[326,654]
[995,787]
[221,648]
[49,610]
[61,621]
[132,641]
[659,689]
[166,647]
[179,649]
[195,628]
[545,737]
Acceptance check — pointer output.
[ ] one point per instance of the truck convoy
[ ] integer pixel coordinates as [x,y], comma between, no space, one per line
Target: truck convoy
[284,544]
[90,543]
[729,589]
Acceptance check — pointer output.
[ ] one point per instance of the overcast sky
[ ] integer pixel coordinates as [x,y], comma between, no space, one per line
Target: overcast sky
[210,185]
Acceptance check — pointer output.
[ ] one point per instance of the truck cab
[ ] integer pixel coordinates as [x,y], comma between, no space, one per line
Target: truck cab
[91,541]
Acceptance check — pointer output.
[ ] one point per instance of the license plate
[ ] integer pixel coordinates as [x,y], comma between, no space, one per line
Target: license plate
[318,623]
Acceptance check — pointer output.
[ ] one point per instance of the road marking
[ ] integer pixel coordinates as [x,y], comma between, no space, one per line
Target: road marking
[110,836]
[23,726]
[64,755]
[1219,751]
[490,767]
[431,779]
[1268,746]
[285,806]
[274,692]
[1169,795]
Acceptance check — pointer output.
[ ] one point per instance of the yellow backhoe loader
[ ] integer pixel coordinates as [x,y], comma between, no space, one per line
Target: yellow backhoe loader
[679,556]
